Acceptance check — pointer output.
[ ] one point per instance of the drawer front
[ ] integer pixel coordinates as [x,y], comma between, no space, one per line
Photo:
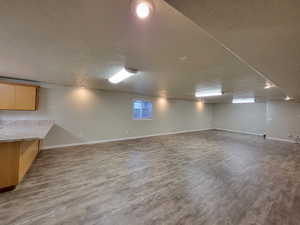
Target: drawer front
[28,152]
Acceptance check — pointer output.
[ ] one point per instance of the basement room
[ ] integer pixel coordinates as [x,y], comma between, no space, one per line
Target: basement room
[149,112]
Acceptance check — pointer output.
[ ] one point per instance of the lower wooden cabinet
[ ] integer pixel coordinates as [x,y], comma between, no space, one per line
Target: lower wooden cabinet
[9,164]
[16,159]
[28,152]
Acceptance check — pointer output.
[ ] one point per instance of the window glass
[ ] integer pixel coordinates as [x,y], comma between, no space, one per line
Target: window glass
[142,110]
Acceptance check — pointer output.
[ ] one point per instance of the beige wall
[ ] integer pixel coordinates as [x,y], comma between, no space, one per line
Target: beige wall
[283,120]
[84,115]
[246,118]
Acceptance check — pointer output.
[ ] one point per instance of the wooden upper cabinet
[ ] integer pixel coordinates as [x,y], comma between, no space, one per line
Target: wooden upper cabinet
[7,96]
[18,97]
[26,97]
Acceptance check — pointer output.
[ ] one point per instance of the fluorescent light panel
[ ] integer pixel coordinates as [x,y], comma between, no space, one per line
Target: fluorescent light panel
[120,76]
[208,93]
[243,100]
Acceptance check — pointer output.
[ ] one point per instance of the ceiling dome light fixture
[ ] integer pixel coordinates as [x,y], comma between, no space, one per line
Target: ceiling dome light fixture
[143,8]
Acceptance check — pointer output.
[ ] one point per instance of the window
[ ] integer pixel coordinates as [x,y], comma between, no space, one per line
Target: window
[142,110]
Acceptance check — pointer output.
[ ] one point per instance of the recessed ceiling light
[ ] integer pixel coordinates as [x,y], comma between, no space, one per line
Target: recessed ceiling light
[269,84]
[143,8]
[243,100]
[208,93]
[122,75]
[287,98]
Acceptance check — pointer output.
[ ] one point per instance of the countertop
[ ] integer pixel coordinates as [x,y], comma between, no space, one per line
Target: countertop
[21,130]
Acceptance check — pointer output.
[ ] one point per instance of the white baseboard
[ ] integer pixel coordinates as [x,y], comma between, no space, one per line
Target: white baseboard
[238,131]
[281,139]
[121,139]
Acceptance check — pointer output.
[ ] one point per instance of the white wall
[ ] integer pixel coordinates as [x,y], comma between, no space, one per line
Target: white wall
[245,118]
[84,115]
[283,120]
[278,120]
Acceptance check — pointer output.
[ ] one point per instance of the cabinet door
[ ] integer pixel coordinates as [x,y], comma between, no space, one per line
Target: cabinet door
[26,98]
[28,152]
[7,96]
[9,163]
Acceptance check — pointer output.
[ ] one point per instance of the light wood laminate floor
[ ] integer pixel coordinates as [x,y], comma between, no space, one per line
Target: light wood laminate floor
[209,178]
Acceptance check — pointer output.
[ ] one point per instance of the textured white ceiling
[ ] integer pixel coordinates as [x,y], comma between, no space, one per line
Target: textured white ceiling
[83,42]
[264,33]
